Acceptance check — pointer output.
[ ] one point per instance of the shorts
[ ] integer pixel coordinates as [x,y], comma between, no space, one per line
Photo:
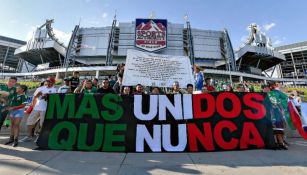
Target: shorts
[19,113]
[35,116]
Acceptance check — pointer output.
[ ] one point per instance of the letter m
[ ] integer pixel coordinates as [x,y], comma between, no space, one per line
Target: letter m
[57,107]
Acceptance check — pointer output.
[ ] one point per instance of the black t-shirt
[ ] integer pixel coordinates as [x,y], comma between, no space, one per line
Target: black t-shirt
[105,91]
[74,82]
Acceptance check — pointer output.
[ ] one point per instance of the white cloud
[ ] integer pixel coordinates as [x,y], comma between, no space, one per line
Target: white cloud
[62,36]
[104,15]
[30,32]
[244,38]
[269,26]
[13,21]
[278,41]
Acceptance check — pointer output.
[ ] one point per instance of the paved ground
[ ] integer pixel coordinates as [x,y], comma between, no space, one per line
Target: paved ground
[24,160]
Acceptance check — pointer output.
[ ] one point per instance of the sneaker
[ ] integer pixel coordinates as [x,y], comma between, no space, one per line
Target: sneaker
[26,139]
[11,140]
[15,143]
[35,140]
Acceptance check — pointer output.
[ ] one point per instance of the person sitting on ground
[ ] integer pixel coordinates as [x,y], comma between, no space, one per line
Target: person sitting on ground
[117,87]
[105,88]
[65,88]
[88,88]
[16,113]
[40,107]
[189,88]
[208,85]
[138,90]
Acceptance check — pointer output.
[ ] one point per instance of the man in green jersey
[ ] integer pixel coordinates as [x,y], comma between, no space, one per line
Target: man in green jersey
[88,88]
[7,92]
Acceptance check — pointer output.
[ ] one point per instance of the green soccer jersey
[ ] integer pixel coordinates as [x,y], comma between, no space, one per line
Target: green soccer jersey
[12,91]
[19,100]
[90,91]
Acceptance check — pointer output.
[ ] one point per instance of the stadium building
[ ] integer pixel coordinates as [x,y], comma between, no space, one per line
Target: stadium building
[295,65]
[97,50]
[8,61]
[109,45]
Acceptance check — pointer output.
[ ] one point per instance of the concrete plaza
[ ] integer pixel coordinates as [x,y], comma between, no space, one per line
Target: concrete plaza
[24,160]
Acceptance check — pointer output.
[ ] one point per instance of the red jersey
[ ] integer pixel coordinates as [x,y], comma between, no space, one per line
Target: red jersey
[210,88]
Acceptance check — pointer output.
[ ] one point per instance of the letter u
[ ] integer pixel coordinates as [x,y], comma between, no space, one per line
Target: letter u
[153,107]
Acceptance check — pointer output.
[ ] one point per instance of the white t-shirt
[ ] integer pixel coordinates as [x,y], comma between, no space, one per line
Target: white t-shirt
[63,89]
[41,104]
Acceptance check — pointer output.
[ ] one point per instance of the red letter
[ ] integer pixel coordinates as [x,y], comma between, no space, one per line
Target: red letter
[198,113]
[205,138]
[236,105]
[250,136]
[258,106]
[219,139]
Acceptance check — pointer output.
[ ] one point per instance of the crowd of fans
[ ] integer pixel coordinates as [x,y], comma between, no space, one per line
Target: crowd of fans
[13,99]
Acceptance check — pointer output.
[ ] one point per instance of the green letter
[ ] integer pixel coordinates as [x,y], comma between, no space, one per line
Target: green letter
[55,134]
[54,104]
[110,137]
[88,106]
[110,101]
[82,139]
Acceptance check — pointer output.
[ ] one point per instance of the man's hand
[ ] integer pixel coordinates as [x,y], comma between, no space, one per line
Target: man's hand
[4,93]
[9,108]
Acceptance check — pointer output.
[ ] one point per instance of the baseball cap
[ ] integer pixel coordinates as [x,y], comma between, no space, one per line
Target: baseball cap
[51,79]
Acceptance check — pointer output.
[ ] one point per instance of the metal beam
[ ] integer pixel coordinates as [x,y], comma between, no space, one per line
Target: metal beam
[4,60]
[294,66]
[191,43]
[240,64]
[273,71]
[109,56]
[258,63]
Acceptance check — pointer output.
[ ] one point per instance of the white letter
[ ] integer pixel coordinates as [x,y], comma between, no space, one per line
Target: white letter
[187,106]
[182,138]
[152,107]
[175,110]
[143,135]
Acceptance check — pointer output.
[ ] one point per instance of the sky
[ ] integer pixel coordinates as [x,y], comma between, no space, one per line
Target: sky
[284,21]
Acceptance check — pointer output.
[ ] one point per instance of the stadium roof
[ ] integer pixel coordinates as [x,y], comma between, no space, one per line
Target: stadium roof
[292,46]
[12,40]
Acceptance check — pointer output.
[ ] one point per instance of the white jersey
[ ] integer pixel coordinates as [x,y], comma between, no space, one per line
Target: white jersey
[41,104]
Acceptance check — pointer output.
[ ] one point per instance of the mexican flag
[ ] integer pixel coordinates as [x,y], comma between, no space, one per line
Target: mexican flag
[299,121]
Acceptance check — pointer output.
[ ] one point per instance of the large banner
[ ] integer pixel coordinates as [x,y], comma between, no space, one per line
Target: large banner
[151,69]
[151,34]
[157,123]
